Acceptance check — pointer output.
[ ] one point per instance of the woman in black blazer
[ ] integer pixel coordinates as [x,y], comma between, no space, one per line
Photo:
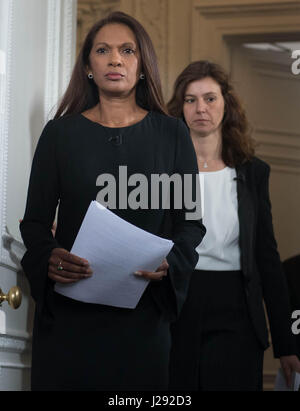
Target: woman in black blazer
[221,334]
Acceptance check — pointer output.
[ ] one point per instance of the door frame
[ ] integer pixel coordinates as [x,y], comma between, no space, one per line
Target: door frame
[221,23]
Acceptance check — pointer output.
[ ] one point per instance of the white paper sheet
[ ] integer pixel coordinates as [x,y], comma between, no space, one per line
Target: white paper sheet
[115,249]
[280,383]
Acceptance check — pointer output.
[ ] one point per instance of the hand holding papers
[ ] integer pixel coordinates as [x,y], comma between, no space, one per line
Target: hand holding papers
[115,249]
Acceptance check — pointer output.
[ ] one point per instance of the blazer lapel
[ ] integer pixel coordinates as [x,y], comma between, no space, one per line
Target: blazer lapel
[246,216]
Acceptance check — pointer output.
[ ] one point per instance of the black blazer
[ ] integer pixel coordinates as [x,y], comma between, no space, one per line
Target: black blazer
[261,266]
[291,268]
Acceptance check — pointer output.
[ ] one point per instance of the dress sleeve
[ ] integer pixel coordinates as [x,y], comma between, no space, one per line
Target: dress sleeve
[42,200]
[186,234]
[274,285]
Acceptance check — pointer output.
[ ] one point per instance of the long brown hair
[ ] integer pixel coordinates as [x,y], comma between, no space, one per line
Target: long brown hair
[238,145]
[82,93]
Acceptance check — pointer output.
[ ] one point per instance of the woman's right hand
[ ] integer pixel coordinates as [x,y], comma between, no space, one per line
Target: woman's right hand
[66,268]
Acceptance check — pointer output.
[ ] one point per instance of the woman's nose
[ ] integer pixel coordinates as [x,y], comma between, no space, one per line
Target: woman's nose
[115,58]
[201,106]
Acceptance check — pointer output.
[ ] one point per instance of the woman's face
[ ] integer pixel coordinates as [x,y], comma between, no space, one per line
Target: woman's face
[203,106]
[115,60]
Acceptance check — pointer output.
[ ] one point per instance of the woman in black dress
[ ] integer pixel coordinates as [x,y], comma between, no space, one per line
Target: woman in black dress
[111,115]
[221,334]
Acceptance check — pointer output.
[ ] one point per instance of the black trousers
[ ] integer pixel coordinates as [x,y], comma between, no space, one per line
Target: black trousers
[214,346]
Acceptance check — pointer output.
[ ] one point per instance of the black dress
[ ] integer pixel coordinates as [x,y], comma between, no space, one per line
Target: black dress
[79,346]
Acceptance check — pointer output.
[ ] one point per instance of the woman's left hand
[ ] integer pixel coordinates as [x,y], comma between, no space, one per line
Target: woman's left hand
[161,272]
[289,364]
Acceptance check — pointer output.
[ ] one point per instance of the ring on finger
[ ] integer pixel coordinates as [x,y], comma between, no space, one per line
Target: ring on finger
[60,267]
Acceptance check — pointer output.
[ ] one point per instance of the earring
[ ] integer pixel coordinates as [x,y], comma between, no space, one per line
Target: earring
[90,76]
[142,76]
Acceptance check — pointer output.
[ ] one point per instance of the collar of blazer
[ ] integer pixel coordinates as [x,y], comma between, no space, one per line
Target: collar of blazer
[241,183]
[246,214]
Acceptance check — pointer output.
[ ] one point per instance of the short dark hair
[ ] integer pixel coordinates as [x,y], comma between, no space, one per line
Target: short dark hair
[238,145]
[82,93]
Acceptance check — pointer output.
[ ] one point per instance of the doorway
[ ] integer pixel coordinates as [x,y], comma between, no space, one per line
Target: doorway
[262,75]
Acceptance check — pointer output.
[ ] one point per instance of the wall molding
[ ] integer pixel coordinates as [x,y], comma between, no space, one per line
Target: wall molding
[61,32]
[14,365]
[269,378]
[291,137]
[274,70]
[15,344]
[16,350]
[53,48]
[89,12]
[280,165]
[280,148]
[154,17]
[5,110]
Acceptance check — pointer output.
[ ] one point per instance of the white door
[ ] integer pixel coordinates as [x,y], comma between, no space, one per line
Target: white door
[37,47]
[271,92]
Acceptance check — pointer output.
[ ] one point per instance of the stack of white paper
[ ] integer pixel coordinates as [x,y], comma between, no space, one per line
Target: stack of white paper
[115,249]
[280,383]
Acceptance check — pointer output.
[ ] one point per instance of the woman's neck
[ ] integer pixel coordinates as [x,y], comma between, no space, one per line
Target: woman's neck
[209,151]
[117,112]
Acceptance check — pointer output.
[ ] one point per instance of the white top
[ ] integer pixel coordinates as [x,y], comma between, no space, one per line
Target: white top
[220,250]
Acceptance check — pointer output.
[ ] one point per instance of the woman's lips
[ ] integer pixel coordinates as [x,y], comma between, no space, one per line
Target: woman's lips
[200,121]
[114,76]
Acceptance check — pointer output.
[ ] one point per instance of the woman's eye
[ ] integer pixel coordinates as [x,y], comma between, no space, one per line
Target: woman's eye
[211,99]
[128,51]
[189,100]
[101,50]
